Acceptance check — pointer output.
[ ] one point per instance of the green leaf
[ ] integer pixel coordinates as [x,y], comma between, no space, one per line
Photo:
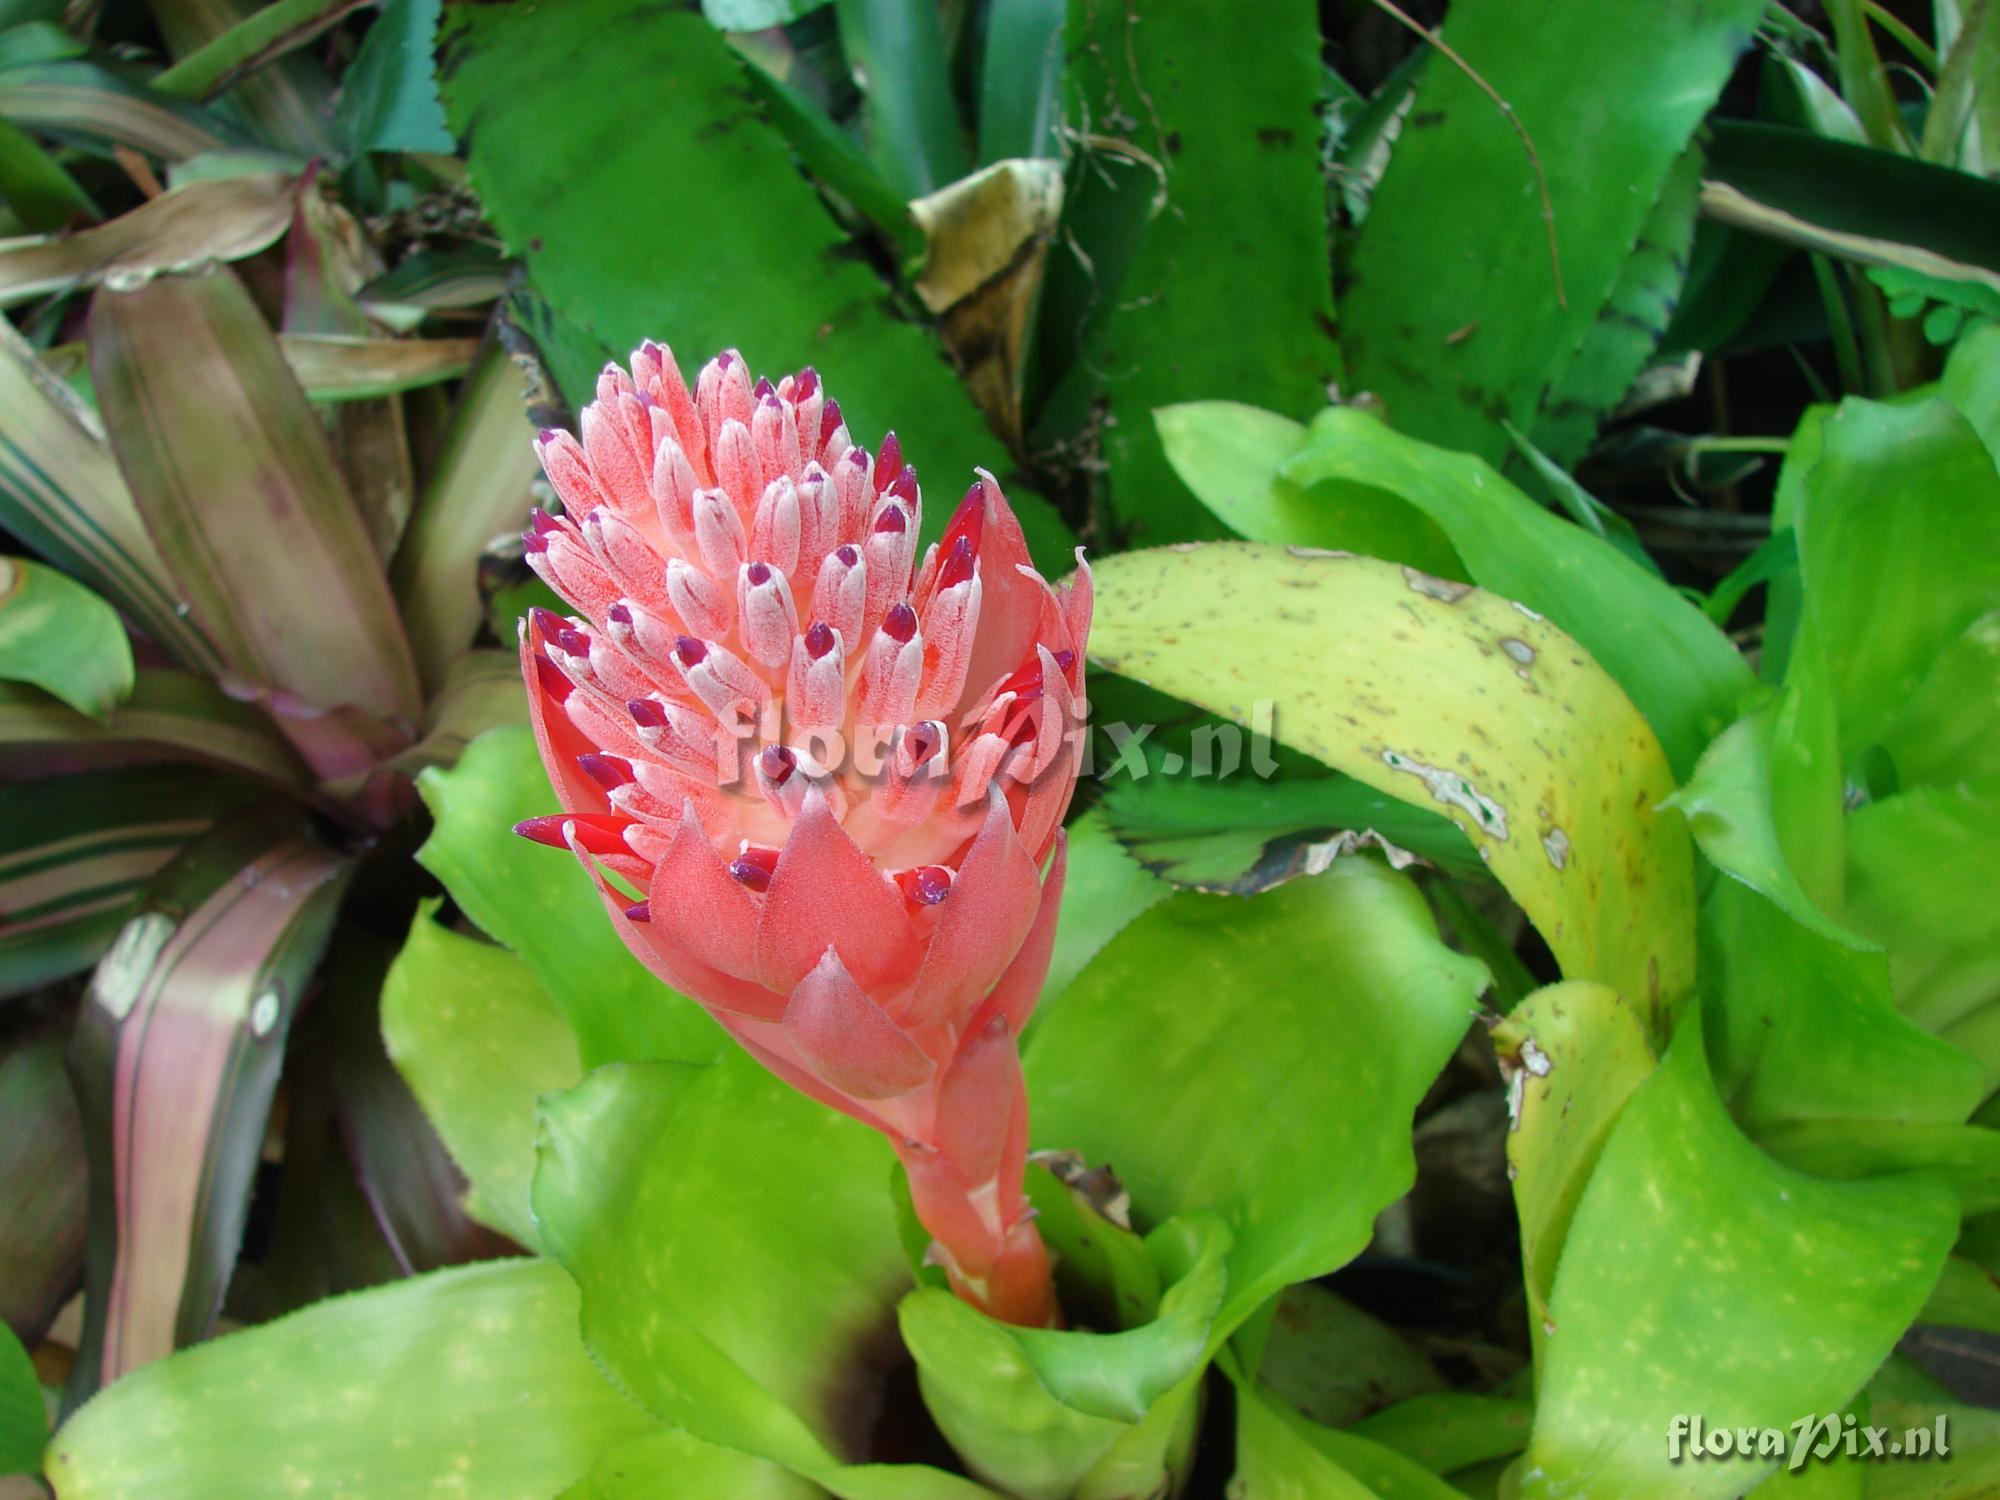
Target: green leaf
[908,116]
[1871,206]
[236,48]
[388,95]
[479,1041]
[1222,122]
[1573,1055]
[232,471]
[1899,546]
[1442,695]
[542,905]
[1267,981]
[1903,1397]
[61,637]
[1944,731]
[175,1058]
[1450,1430]
[1282,1456]
[62,494]
[1922,867]
[558,126]
[1104,890]
[77,851]
[98,110]
[471,1380]
[698,1471]
[173,715]
[1332,1362]
[1233,456]
[736,1248]
[24,1417]
[1046,1414]
[38,188]
[1453,342]
[757,15]
[1235,836]
[1971,382]
[478,488]
[1765,805]
[1636,1340]
[42,1185]
[1678,668]
[1020,80]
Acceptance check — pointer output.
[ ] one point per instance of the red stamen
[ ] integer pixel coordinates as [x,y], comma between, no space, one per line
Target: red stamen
[553,679]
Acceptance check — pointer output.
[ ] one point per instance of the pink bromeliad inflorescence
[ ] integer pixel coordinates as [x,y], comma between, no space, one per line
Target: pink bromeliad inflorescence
[817,782]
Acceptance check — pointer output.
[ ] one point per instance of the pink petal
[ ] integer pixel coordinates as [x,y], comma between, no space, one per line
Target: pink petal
[825,891]
[845,1038]
[1021,986]
[992,905]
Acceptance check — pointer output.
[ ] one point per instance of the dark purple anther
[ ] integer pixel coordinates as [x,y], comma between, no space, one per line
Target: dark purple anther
[548,624]
[829,424]
[759,574]
[923,740]
[932,885]
[751,870]
[904,487]
[892,519]
[819,640]
[848,556]
[691,651]
[900,623]
[805,385]
[777,763]
[618,614]
[959,564]
[608,771]
[888,461]
[763,388]
[642,913]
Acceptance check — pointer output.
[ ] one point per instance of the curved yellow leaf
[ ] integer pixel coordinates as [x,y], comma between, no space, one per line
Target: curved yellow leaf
[1446,696]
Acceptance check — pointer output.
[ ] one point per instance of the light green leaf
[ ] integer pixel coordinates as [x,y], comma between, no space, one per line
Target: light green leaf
[1280,1455]
[171,715]
[1675,665]
[908,116]
[1923,867]
[1899,545]
[1020,80]
[1336,1005]
[388,96]
[1104,890]
[1331,1361]
[1944,732]
[478,1041]
[1444,696]
[542,905]
[671,1465]
[61,637]
[1450,1430]
[1046,1414]
[1455,321]
[24,1416]
[1667,1299]
[471,1381]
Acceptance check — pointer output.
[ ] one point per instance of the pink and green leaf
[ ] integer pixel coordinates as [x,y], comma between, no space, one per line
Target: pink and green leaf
[169,715]
[176,1056]
[233,474]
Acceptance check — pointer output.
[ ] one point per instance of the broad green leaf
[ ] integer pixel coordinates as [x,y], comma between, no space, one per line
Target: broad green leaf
[1046,1414]
[1454,339]
[1104,890]
[1268,981]
[98,110]
[1903,1398]
[173,714]
[62,494]
[1445,696]
[470,1381]
[42,1185]
[694,1470]
[1573,1054]
[540,904]
[1898,522]
[176,1056]
[1233,456]
[1803,1028]
[1676,666]
[479,1041]
[1922,872]
[58,635]
[1664,1299]
[558,126]
[1971,382]
[1944,731]
[1020,80]
[478,489]
[232,471]
[1765,805]
[1280,1455]
[1450,1430]
[908,116]
[1216,169]
[77,851]
[1966,1157]
[736,1247]
[388,95]
[1860,203]
[219,219]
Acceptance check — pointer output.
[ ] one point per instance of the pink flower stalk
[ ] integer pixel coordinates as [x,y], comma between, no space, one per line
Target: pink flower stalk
[816,783]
